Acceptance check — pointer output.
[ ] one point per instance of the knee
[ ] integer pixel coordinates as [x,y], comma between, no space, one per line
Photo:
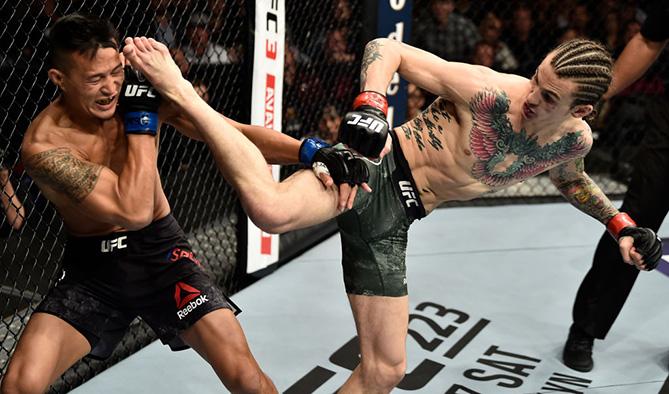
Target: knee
[268,215]
[247,378]
[23,380]
[384,374]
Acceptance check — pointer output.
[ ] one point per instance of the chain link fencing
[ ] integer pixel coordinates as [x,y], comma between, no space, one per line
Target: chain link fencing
[211,42]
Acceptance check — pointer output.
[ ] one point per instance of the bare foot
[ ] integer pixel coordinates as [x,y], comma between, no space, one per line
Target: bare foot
[153,59]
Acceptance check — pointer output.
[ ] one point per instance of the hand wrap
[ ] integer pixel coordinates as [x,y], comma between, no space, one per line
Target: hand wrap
[343,164]
[139,104]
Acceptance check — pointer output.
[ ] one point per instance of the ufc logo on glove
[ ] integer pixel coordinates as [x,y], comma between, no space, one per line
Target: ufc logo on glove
[138,91]
[368,122]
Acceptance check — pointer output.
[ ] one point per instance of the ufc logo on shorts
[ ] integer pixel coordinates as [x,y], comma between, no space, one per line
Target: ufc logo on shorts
[408,193]
[368,122]
[109,245]
[138,91]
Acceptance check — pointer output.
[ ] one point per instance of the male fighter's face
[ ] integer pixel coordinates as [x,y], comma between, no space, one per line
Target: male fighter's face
[549,97]
[93,83]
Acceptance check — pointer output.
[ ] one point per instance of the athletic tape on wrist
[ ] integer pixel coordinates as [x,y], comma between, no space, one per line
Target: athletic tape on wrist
[309,148]
[373,99]
[141,122]
[619,222]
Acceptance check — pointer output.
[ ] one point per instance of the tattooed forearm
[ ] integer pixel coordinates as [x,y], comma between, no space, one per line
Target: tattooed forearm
[371,55]
[60,170]
[585,195]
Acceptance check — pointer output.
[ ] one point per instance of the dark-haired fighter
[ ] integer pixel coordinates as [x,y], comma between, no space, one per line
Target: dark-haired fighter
[126,255]
[486,131]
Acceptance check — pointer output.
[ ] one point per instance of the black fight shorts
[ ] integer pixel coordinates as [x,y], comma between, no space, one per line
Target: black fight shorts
[152,273]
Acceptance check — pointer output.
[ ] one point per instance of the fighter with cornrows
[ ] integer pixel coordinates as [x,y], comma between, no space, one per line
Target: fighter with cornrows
[484,132]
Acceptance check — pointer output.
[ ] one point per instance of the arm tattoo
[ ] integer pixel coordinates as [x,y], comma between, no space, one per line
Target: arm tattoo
[585,195]
[371,55]
[63,172]
[577,187]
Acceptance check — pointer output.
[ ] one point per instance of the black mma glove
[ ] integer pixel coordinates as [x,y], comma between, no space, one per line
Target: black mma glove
[344,166]
[646,242]
[365,129]
[139,104]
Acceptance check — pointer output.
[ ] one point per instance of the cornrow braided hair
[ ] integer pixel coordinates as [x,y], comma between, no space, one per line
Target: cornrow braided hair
[588,64]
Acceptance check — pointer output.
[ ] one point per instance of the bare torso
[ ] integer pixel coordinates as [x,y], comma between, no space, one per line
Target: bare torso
[459,149]
[105,146]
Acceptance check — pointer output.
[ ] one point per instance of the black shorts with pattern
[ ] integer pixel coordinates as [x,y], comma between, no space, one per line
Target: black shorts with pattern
[151,273]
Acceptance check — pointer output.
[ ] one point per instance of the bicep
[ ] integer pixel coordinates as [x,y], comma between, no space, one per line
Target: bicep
[91,187]
[568,171]
[441,77]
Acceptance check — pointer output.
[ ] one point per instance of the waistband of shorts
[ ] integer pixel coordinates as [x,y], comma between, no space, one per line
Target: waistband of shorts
[408,195]
[165,226]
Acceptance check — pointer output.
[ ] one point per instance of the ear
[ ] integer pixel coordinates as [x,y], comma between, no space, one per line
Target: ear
[580,111]
[56,76]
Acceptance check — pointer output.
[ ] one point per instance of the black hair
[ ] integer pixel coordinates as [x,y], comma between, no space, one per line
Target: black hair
[588,64]
[81,33]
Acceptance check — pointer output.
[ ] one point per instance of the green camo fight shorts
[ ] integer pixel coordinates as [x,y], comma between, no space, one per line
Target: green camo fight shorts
[374,234]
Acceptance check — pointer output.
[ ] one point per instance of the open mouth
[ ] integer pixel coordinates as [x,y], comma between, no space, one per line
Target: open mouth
[527,112]
[105,101]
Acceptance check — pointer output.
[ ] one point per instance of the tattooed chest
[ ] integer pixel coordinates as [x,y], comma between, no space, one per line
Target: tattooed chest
[428,129]
[503,156]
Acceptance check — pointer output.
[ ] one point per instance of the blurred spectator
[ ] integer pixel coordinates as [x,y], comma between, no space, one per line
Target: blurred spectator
[339,63]
[328,125]
[180,59]
[201,89]
[491,29]
[579,20]
[12,208]
[445,33]
[612,31]
[226,19]
[336,46]
[200,49]
[567,34]
[165,31]
[484,54]
[342,13]
[629,30]
[523,41]
[415,101]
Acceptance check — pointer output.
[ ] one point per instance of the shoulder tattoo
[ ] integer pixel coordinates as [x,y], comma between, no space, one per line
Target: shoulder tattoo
[60,170]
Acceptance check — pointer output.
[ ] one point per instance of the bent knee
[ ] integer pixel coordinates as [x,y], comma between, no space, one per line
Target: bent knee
[269,216]
[23,380]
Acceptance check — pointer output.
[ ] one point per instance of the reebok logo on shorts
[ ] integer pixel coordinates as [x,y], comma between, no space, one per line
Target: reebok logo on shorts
[187,299]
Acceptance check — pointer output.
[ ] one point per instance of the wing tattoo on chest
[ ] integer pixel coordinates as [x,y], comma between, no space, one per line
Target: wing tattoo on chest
[505,157]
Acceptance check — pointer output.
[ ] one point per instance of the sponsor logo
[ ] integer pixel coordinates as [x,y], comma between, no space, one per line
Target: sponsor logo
[139,91]
[269,101]
[408,194]
[187,299]
[108,245]
[368,122]
[178,254]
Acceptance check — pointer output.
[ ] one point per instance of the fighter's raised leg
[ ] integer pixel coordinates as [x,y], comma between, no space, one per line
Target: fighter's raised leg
[272,206]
